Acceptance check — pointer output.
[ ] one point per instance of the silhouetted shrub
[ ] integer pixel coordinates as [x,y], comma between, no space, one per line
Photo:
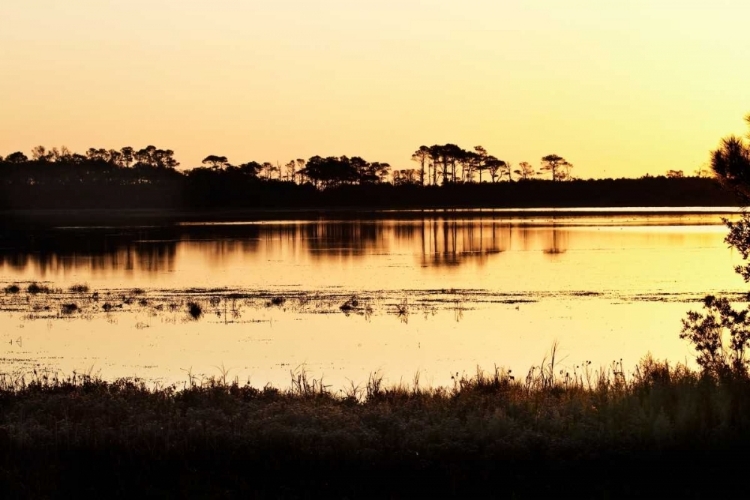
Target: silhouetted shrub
[721,334]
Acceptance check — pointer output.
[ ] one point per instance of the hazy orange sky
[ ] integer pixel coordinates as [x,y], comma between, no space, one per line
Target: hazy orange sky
[619,88]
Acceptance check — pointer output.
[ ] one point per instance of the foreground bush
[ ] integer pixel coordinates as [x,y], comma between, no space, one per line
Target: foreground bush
[661,429]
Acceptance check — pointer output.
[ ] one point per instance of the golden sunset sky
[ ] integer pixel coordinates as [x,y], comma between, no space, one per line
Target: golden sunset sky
[619,88]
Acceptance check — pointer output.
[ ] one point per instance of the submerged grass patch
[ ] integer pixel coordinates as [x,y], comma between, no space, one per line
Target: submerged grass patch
[661,429]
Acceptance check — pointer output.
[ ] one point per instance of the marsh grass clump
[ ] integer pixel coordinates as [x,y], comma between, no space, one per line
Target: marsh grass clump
[69,308]
[305,386]
[402,310]
[601,432]
[277,301]
[79,288]
[12,288]
[350,305]
[195,310]
[36,288]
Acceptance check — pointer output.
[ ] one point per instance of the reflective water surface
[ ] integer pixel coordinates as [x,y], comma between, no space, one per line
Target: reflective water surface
[436,294]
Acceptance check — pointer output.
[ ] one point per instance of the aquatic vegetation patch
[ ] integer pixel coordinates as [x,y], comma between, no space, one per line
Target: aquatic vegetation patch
[69,308]
[195,310]
[277,301]
[36,288]
[230,305]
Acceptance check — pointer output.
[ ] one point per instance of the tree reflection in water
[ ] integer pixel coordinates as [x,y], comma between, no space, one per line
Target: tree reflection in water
[435,241]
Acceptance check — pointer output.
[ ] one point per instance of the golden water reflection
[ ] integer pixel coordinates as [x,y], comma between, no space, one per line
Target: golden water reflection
[343,253]
[580,280]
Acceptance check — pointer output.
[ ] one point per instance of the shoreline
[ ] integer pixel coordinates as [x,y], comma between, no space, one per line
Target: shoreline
[156,216]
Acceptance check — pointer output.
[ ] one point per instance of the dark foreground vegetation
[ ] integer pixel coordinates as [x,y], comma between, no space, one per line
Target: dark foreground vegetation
[659,431]
[447,178]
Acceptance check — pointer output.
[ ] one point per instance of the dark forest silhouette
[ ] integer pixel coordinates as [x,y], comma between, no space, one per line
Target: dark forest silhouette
[446,176]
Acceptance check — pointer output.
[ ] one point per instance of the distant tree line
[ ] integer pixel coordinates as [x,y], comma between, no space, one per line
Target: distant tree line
[446,176]
[449,163]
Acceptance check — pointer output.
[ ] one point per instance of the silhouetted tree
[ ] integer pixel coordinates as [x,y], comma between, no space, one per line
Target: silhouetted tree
[444,159]
[407,176]
[480,160]
[300,166]
[152,157]
[330,171]
[508,170]
[63,154]
[127,156]
[496,168]
[721,335]
[215,162]
[469,162]
[421,156]
[251,168]
[268,169]
[164,158]
[39,153]
[100,154]
[731,164]
[525,171]
[452,154]
[555,164]
[17,157]
[436,157]
[290,171]
[115,157]
[376,172]
[358,165]
[703,171]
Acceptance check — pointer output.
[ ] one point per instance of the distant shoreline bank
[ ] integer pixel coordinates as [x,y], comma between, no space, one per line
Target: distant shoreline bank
[155,216]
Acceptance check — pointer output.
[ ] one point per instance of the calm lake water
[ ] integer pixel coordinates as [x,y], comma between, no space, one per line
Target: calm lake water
[433,293]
